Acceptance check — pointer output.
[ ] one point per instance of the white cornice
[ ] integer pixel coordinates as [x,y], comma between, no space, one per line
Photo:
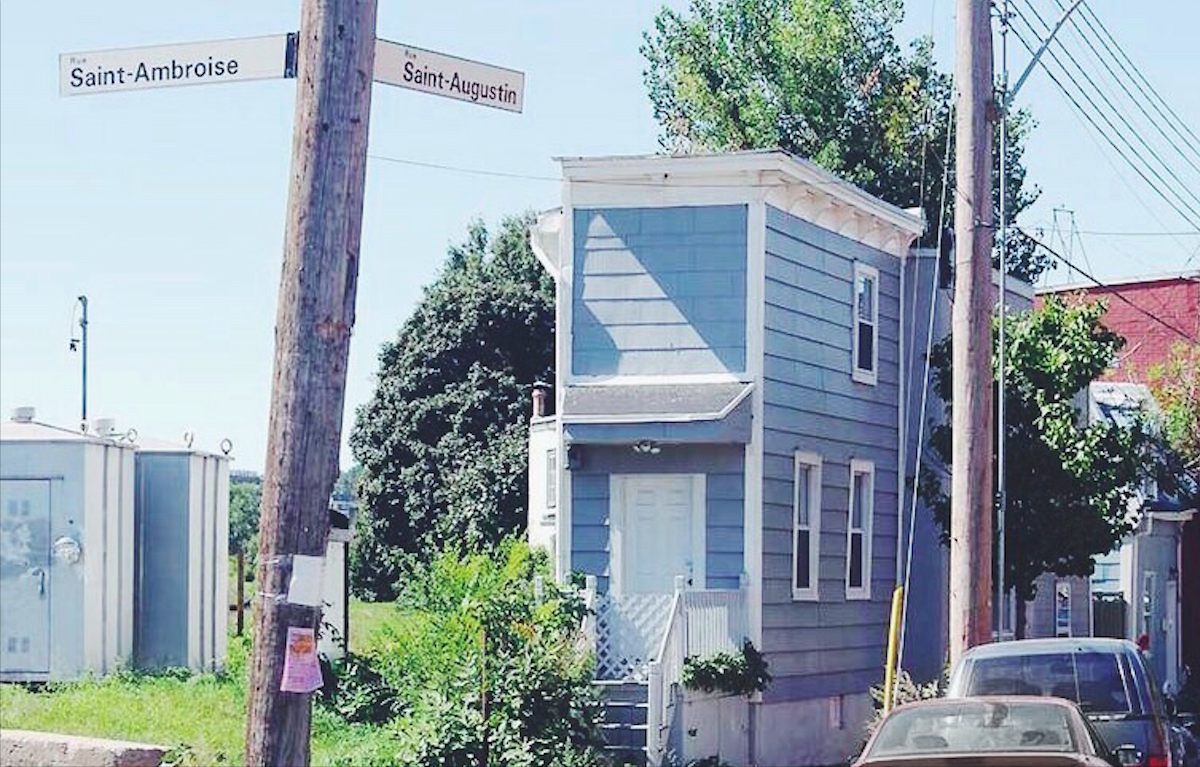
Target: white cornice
[789,183]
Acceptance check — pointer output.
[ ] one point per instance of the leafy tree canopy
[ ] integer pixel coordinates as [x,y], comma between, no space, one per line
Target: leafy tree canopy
[443,441]
[1063,473]
[1175,384]
[245,493]
[826,80]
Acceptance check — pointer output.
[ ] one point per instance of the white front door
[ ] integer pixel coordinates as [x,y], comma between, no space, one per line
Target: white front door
[658,532]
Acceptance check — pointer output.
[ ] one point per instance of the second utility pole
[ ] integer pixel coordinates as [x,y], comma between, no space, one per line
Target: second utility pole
[971,414]
[336,57]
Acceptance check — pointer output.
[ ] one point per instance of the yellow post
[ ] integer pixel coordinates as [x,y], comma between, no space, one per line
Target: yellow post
[889,679]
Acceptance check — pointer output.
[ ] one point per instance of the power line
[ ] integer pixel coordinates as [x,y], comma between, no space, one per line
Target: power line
[1089,12]
[1067,93]
[1099,233]
[1115,111]
[1133,99]
[1088,276]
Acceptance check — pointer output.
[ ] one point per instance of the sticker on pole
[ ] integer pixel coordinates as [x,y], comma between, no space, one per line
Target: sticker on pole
[166,66]
[301,669]
[455,78]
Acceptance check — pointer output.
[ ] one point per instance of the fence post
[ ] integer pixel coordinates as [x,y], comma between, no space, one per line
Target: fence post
[589,601]
[654,712]
[680,588]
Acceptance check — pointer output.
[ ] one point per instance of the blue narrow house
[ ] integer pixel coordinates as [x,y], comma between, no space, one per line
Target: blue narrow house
[724,457]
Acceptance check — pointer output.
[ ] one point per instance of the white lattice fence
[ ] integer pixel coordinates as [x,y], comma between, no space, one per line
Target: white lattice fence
[628,630]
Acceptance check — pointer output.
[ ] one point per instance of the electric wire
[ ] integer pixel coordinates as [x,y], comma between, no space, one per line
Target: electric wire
[1087,40]
[1120,296]
[933,294]
[1084,113]
[1152,92]
[1120,115]
[1129,128]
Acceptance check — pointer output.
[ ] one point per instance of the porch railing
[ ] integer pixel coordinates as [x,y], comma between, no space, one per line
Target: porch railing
[647,638]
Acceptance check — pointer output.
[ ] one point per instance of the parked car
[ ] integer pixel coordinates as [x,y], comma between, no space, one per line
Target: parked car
[1008,731]
[1107,678]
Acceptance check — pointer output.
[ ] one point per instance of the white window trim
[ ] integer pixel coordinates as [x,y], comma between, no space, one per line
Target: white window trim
[551,472]
[865,376]
[812,462]
[859,466]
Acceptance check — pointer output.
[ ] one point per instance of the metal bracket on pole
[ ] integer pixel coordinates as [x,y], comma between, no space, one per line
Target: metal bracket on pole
[1008,97]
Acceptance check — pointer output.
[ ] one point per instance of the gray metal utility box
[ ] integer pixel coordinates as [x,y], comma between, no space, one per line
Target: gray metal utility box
[182,583]
[66,552]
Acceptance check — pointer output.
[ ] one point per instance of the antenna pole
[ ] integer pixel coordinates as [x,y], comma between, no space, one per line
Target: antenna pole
[83,328]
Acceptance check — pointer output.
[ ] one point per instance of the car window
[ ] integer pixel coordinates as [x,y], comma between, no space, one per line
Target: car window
[975,727]
[1093,680]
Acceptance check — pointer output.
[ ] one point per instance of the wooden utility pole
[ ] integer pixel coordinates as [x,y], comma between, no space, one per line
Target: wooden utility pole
[336,56]
[971,470]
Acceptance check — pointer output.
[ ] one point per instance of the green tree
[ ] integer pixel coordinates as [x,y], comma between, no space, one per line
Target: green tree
[1175,383]
[826,80]
[442,442]
[245,492]
[1063,473]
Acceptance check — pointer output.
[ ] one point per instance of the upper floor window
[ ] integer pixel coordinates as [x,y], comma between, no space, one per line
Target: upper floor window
[551,478]
[858,531]
[806,525]
[866,323]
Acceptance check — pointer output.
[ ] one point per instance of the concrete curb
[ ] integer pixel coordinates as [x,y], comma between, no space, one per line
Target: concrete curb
[24,748]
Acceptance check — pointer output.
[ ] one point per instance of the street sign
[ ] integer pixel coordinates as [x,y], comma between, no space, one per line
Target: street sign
[450,76]
[163,66]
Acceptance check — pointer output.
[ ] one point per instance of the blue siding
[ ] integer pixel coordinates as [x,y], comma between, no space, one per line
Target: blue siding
[811,403]
[723,467]
[659,290]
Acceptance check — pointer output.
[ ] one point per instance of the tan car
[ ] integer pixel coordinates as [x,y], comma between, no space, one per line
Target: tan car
[987,732]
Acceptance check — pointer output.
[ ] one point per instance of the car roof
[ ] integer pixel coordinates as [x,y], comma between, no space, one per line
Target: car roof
[1050,646]
[1022,700]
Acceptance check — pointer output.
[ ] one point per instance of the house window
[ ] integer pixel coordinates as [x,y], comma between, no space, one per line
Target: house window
[866,323]
[858,532]
[551,478]
[1062,609]
[806,525]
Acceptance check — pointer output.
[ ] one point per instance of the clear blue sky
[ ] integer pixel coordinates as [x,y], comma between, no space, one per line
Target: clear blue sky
[166,207]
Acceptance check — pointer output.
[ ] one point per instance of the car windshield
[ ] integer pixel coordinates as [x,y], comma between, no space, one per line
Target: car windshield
[975,727]
[1093,680]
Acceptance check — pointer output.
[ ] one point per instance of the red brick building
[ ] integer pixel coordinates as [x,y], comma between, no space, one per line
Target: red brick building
[1135,308]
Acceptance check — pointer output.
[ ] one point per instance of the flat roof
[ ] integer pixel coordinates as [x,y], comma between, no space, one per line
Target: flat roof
[36,431]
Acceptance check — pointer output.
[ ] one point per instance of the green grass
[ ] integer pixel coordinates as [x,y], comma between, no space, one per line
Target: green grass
[204,712]
[366,618]
[200,716]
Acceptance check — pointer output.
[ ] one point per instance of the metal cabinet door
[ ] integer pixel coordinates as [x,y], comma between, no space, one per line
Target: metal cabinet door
[25,575]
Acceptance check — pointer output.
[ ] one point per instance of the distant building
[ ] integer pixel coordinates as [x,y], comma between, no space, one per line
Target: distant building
[1140,310]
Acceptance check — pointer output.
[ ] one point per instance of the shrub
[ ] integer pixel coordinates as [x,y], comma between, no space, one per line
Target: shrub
[907,691]
[739,673]
[473,659]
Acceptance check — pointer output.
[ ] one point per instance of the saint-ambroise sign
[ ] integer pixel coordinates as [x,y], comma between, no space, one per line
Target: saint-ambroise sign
[162,66]
[273,57]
